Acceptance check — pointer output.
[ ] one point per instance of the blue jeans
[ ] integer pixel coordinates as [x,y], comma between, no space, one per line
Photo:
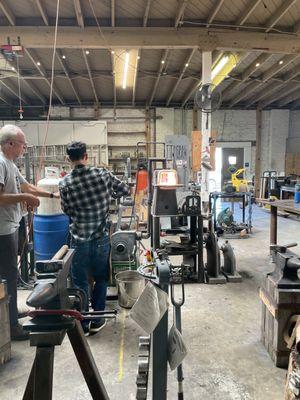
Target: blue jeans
[91,258]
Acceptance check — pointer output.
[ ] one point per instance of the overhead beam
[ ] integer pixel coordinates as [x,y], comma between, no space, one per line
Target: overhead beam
[151,38]
[14,90]
[42,11]
[275,87]
[90,76]
[279,13]
[245,93]
[113,12]
[281,92]
[275,69]
[214,11]
[261,59]
[79,14]
[146,14]
[8,13]
[180,12]
[182,72]
[135,76]
[293,96]
[113,79]
[162,66]
[34,59]
[67,73]
[245,14]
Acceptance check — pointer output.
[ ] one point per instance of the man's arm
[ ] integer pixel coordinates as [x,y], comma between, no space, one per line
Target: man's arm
[29,188]
[10,198]
[64,200]
[119,187]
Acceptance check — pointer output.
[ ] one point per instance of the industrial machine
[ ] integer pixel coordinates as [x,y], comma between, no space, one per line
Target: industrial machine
[240,184]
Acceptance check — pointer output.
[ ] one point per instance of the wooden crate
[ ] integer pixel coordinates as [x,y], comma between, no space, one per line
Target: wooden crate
[278,305]
[5,344]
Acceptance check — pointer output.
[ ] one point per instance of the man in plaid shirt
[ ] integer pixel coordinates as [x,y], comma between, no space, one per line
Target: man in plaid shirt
[85,197]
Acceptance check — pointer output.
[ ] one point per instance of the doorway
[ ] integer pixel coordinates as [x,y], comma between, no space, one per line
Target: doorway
[231,157]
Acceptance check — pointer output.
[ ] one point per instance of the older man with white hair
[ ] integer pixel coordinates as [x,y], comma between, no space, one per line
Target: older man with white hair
[14,192]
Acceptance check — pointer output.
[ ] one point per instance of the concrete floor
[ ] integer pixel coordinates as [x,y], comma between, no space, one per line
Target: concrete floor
[221,326]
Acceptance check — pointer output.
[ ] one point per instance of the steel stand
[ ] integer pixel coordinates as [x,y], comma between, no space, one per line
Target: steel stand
[40,381]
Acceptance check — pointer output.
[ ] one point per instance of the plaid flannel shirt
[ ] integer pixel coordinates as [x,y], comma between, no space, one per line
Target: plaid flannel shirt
[85,197]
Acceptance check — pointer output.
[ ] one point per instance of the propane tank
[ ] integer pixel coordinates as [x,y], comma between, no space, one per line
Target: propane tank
[50,184]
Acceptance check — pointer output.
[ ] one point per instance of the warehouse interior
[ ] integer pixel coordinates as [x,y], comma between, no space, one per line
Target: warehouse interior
[193,107]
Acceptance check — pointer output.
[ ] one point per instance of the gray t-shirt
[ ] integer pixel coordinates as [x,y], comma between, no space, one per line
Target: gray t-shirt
[11,179]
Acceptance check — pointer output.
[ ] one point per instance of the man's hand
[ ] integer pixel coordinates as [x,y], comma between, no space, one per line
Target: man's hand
[32,201]
[56,195]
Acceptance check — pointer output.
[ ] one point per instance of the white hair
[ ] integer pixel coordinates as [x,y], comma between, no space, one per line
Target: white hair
[8,132]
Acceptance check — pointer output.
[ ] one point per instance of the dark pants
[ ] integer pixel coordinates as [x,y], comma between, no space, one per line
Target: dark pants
[9,271]
[91,258]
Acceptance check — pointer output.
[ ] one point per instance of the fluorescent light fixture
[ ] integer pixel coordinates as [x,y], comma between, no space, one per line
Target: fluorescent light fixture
[112,52]
[87,52]
[281,62]
[38,63]
[125,70]
[12,68]
[186,65]
[257,64]
[63,56]
[138,57]
[219,66]
[162,61]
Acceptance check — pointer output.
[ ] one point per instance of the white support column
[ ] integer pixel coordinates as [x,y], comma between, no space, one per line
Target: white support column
[205,129]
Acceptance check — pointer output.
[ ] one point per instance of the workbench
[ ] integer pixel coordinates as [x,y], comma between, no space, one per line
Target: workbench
[283,205]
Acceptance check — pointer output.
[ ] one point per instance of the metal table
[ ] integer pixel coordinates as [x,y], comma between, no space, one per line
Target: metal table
[290,189]
[243,196]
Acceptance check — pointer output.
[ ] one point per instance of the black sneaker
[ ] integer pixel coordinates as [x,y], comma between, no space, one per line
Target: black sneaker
[86,328]
[96,326]
[17,333]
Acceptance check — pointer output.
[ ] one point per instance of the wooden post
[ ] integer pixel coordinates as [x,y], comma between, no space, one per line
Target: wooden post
[258,152]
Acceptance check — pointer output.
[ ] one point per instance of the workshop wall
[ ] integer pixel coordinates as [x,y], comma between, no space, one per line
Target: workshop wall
[125,127]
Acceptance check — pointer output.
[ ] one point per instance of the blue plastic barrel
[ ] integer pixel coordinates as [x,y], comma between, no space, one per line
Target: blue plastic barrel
[297,193]
[50,232]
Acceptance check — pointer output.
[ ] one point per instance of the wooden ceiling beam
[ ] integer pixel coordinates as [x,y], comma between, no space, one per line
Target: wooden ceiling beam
[90,76]
[245,93]
[261,59]
[135,77]
[113,12]
[279,13]
[245,14]
[293,96]
[7,12]
[214,11]
[161,68]
[42,11]
[151,38]
[35,60]
[146,14]
[180,12]
[182,72]
[79,13]
[67,73]
[11,87]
